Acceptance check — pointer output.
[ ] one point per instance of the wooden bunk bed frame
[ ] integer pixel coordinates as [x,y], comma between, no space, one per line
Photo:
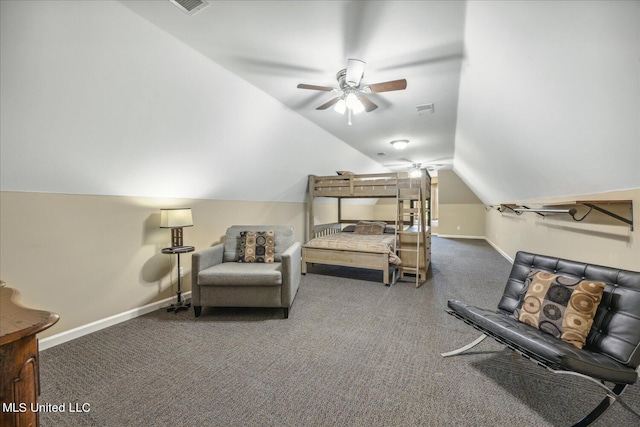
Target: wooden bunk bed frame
[383,185]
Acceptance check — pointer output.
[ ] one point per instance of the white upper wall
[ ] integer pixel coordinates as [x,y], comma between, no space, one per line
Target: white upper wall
[549,99]
[96,100]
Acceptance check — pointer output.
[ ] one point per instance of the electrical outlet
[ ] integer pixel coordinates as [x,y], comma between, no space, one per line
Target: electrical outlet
[458,228]
[181,272]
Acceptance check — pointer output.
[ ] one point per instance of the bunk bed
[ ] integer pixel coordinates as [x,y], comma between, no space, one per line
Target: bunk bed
[335,244]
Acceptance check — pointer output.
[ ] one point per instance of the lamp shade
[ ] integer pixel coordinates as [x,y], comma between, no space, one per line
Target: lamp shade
[173,218]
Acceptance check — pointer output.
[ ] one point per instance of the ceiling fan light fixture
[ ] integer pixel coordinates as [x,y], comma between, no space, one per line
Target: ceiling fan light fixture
[415,171]
[400,144]
[353,103]
[358,108]
[340,107]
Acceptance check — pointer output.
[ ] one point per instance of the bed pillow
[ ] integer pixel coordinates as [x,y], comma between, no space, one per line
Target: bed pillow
[257,246]
[351,228]
[561,306]
[369,227]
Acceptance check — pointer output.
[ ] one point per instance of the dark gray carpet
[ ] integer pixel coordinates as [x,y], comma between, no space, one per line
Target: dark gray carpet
[352,353]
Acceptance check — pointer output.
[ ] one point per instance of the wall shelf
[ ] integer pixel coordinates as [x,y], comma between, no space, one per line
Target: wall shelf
[600,206]
[553,208]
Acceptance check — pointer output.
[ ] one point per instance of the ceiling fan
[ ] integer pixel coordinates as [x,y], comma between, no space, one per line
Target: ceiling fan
[353,99]
[412,166]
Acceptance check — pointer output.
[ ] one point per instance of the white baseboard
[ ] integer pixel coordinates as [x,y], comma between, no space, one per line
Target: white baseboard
[74,333]
[458,236]
[500,251]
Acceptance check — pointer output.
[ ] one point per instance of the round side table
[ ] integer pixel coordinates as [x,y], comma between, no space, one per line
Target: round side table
[180,304]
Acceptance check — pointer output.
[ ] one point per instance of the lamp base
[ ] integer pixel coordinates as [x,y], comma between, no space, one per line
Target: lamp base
[180,305]
[176,237]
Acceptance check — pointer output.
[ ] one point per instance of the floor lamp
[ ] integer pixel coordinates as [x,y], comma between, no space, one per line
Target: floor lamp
[176,219]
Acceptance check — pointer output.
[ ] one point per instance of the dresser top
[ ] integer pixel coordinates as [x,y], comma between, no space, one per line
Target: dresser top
[16,321]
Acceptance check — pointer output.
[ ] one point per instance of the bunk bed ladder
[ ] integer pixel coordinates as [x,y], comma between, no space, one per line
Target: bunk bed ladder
[410,224]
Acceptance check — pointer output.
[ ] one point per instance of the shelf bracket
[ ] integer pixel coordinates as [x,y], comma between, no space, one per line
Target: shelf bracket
[591,204]
[629,222]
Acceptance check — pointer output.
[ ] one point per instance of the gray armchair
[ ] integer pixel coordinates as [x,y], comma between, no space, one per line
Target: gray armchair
[219,280]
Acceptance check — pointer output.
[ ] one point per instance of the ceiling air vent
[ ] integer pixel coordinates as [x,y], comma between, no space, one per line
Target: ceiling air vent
[425,109]
[190,6]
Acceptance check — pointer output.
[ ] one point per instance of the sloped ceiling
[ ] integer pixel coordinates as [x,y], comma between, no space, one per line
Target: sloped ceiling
[549,99]
[549,91]
[277,44]
[96,100]
[532,99]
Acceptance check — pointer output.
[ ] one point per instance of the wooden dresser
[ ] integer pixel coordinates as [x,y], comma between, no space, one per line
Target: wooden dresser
[19,369]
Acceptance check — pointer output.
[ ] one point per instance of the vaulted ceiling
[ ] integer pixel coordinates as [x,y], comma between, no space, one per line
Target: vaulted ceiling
[526,93]
[532,99]
[275,45]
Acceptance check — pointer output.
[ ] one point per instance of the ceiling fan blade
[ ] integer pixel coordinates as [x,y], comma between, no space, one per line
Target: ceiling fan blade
[313,87]
[329,103]
[368,105]
[388,86]
[355,71]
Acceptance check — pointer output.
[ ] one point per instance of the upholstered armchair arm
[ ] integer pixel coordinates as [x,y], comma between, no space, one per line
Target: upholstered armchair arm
[291,265]
[199,261]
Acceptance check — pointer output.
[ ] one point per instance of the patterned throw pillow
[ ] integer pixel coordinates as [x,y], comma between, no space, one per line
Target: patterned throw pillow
[257,246]
[370,227]
[559,305]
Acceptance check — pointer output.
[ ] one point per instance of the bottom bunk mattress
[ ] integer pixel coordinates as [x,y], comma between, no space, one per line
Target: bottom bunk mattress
[374,243]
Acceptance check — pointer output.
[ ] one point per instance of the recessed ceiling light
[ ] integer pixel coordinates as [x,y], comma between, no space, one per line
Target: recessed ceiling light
[400,144]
